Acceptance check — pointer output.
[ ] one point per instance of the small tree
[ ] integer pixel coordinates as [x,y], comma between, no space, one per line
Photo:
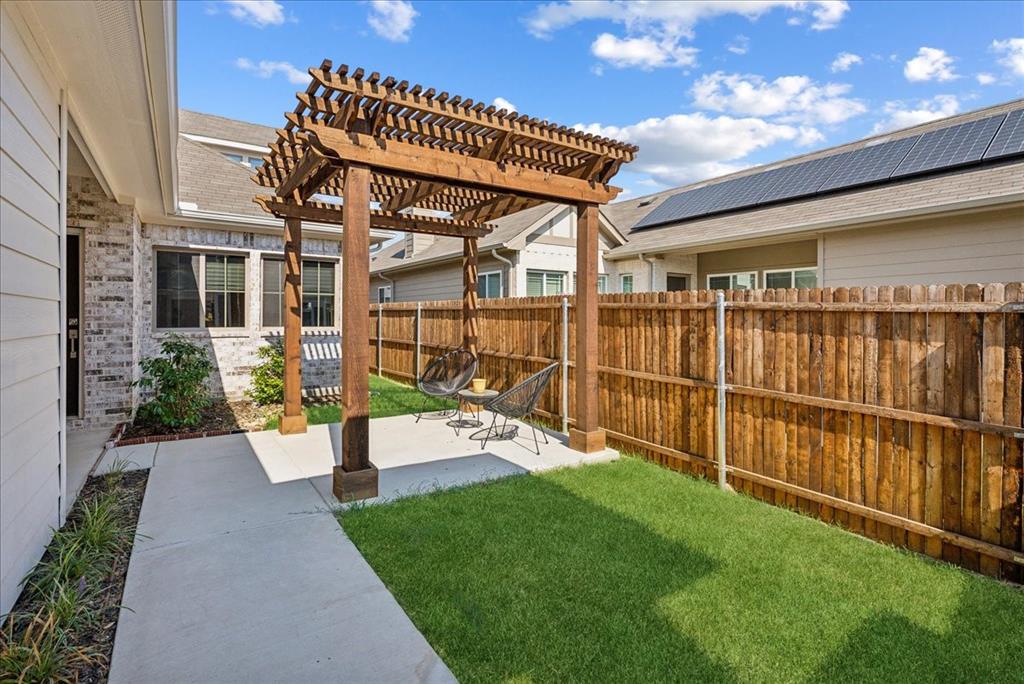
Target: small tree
[177,379]
[268,375]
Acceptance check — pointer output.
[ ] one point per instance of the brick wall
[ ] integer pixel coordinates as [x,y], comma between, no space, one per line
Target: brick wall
[234,351]
[109,231]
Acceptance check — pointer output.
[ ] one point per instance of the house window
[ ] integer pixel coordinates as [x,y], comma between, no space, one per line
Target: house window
[602,282]
[488,285]
[626,283]
[796,277]
[273,292]
[318,294]
[384,294]
[225,291]
[235,157]
[255,162]
[177,290]
[732,281]
[541,283]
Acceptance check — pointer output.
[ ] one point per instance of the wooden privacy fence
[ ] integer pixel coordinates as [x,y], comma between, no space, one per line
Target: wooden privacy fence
[893,411]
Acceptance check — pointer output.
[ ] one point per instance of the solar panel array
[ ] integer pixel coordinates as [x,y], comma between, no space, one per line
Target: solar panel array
[1010,138]
[951,146]
[994,137]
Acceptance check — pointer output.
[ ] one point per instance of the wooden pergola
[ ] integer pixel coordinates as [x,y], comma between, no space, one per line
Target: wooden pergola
[364,151]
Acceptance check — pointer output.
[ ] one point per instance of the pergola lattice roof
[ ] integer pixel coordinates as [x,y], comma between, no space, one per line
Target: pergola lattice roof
[428,151]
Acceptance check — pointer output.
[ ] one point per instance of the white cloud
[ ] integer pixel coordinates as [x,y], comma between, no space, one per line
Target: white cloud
[674,18]
[1011,53]
[985,78]
[845,60]
[791,98]
[502,103]
[683,148]
[259,13]
[266,69]
[655,31]
[931,64]
[899,114]
[740,45]
[392,19]
[644,52]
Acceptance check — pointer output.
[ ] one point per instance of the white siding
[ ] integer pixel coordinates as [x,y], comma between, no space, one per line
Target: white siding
[984,247]
[30,326]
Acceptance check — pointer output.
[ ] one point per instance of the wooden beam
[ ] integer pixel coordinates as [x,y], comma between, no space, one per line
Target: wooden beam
[355,478]
[322,212]
[586,436]
[540,133]
[412,195]
[495,207]
[309,164]
[429,164]
[293,421]
[470,258]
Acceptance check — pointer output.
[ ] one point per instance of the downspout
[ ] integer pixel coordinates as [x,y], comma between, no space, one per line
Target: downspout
[649,262]
[511,266]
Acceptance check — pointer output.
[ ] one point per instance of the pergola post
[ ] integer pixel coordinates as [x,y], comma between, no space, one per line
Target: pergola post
[469,294]
[356,477]
[293,420]
[586,436]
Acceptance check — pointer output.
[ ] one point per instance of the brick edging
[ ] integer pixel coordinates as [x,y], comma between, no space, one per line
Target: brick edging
[131,441]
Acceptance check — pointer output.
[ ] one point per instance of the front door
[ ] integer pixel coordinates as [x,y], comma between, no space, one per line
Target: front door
[72,327]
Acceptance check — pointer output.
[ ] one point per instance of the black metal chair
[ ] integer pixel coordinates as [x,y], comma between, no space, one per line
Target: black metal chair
[446,375]
[519,402]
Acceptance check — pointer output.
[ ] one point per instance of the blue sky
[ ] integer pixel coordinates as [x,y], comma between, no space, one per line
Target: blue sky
[704,88]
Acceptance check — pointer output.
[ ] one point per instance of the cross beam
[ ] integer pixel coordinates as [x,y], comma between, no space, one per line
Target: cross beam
[424,163]
[321,212]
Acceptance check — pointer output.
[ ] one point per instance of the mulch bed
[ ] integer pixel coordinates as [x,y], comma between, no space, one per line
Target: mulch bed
[98,638]
[219,418]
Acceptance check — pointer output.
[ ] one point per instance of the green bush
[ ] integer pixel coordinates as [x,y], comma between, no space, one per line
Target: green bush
[178,380]
[268,375]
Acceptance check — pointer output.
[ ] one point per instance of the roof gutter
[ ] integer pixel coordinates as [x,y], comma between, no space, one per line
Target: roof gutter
[157,26]
[271,224]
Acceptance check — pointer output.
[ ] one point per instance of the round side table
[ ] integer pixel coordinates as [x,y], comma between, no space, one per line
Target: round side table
[472,403]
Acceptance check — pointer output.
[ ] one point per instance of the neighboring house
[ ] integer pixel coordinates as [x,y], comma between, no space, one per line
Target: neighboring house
[530,253]
[117,231]
[886,210]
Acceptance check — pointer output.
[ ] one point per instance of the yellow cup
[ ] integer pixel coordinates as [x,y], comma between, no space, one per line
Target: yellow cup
[479,385]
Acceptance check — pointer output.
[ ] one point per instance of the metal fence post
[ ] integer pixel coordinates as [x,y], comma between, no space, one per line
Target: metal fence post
[720,363]
[565,365]
[380,328]
[419,314]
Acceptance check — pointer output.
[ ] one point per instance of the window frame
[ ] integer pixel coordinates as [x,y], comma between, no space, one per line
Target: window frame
[632,283]
[601,278]
[730,276]
[487,274]
[201,284]
[390,291]
[792,272]
[277,256]
[545,273]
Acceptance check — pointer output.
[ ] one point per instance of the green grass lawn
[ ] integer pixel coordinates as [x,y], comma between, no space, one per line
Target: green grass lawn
[629,572]
[387,398]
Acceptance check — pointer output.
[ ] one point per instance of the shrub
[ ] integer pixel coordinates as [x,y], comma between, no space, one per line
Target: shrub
[178,380]
[268,375]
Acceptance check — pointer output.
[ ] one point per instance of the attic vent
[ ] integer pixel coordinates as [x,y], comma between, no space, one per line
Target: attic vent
[645,203]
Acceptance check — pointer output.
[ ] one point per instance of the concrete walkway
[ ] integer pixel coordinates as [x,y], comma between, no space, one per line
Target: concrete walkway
[241,580]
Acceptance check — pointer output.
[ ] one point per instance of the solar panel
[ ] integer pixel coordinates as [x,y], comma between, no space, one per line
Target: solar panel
[951,146]
[870,164]
[679,206]
[1010,138]
[802,179]
[745,191]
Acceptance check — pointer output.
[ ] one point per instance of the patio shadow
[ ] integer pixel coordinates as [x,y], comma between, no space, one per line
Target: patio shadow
[522,596]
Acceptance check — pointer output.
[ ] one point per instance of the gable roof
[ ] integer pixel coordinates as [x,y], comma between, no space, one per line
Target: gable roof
[975,185]
[222,128]
[212,182]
